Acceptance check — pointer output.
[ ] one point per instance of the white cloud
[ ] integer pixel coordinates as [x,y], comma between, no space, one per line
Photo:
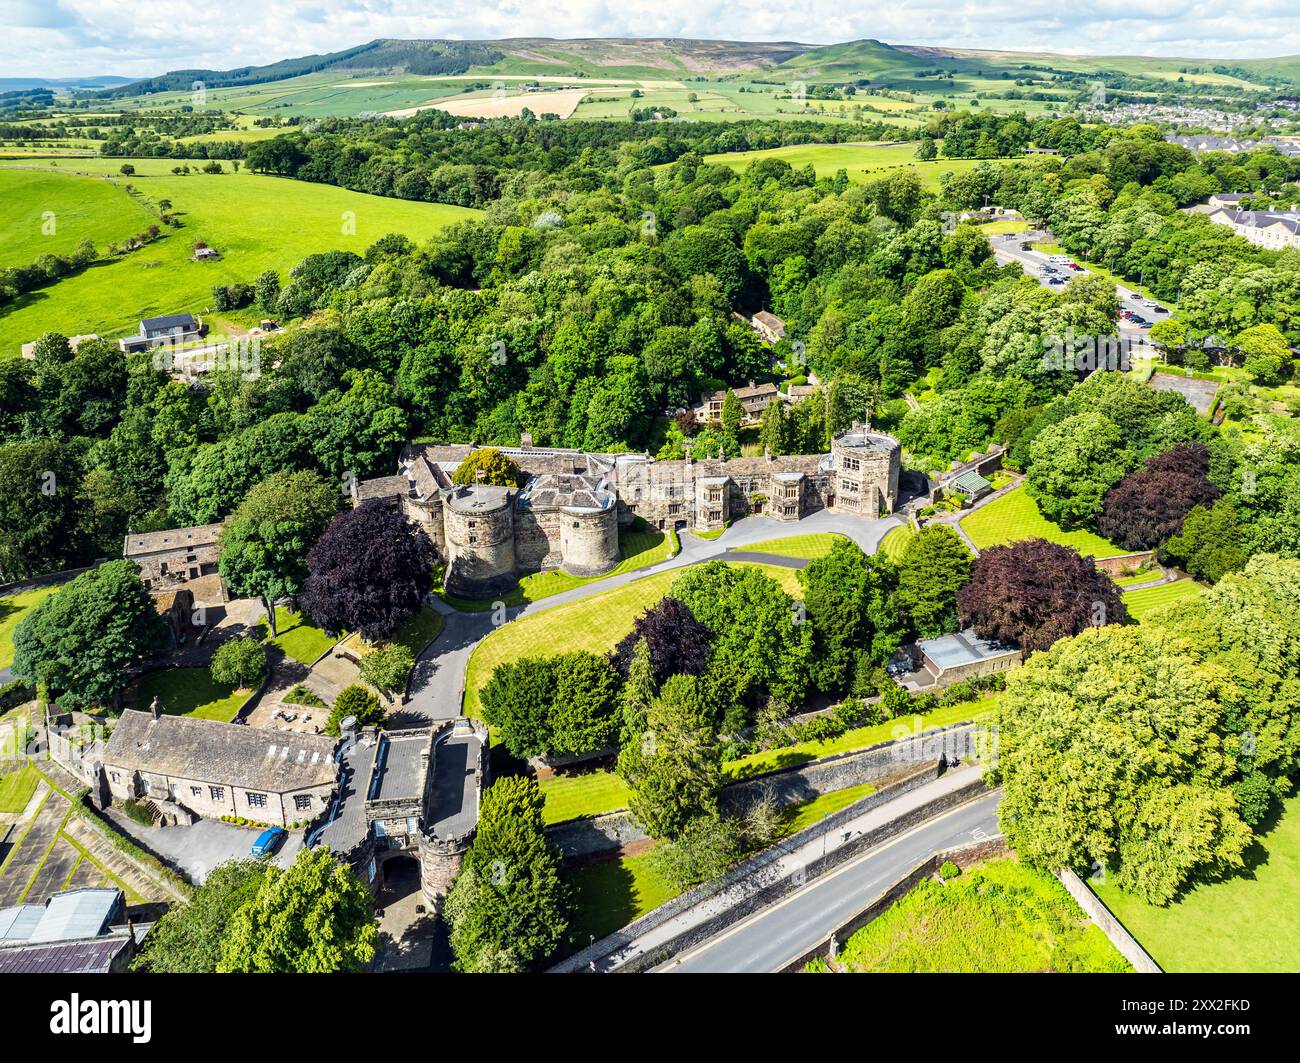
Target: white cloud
[61,38]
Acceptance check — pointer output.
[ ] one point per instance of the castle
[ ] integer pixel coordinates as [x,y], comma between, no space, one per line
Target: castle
[572,503]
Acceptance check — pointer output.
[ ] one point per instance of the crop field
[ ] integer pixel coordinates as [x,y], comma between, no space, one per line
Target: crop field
[256,223]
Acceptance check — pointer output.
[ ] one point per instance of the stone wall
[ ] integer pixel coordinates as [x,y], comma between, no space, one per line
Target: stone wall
[1094,909]
[766,890]
[481,547]
[1117,564]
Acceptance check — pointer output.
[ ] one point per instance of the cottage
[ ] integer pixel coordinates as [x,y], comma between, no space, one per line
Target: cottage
[156,331]
[769,327]
[210,769]
[178,555]
[754,399]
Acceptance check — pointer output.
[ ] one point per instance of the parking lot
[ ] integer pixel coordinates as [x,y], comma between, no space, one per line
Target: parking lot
[1055,270]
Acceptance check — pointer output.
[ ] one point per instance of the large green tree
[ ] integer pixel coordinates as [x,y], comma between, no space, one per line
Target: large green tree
[934,566]
[1110,749]
[187,939]
[674,769]
[314,917]
[509,907]
[264,545]
[81,642]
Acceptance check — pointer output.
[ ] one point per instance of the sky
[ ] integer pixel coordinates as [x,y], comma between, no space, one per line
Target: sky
[77,38]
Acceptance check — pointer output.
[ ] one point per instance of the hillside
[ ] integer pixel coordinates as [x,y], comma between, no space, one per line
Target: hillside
[909,67]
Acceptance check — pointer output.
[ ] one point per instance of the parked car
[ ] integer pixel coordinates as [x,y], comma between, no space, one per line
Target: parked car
[268,841]
[1074,266]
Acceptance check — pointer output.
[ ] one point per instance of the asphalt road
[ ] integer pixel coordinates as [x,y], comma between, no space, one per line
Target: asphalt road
[770,939]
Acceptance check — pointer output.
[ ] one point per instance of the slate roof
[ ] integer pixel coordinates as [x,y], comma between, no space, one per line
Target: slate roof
[222,753]
[64,957]
[167,322]
[171,539]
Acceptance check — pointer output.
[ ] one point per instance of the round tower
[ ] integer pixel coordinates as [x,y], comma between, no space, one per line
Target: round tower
[589,540]
[480,537]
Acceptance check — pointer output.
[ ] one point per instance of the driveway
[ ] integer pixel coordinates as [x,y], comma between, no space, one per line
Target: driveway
[438,682]
[197,849]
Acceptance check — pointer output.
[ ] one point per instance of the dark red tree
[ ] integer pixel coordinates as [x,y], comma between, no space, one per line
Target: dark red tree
[1148,506]
[368,572]
[1032,593]
[678,643]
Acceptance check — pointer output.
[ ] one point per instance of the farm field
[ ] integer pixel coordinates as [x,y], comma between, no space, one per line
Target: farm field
[256,222]
[1015,516]
[995,917]
[52,217]
[862,161]
[1247,922]
[12,610]
[596,623]
[1140,603]
[560,102]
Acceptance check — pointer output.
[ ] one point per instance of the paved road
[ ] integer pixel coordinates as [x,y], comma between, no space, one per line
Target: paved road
[438,682]
[778,934]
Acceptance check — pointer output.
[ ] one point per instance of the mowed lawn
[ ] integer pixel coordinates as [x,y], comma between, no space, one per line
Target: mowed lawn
[17,787]
[256,222]
[12,610]
[1249,922]
[50,214]
[190,692]
[1140,603]
[809,546]
[595,624]
[1015,516]
[895,542]
[296,637]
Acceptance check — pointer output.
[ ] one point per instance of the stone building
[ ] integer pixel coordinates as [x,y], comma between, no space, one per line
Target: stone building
[572,504]
[754,400]
[422,790]
[952,658]
[190,768]
[175,556]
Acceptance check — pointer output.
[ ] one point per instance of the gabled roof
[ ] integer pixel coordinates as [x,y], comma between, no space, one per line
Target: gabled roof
[222,753]
[971,482]
[168,321]
[171,539]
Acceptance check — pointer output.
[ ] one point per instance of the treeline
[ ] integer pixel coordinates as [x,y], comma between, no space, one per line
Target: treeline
[430,157]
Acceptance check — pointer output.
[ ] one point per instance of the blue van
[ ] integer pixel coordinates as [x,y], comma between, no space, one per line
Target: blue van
[268,841]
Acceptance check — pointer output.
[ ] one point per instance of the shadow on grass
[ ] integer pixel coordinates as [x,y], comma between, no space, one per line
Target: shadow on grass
[604,896]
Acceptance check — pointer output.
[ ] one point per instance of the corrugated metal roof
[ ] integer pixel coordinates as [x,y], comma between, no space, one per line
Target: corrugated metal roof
[81,913]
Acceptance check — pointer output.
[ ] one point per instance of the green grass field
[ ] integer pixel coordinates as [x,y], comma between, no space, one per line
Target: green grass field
[608,894]
[640,549]
[576,796]
[806,546]
[595,624]
[256,223]
[1140,603]
[45,216]
[17,787]
[1249,922]
[419,630]
[296,637]
[895,542]
[190,692]
[858,738]
[862,161]
[1015,516]
[997,917]
[12,610]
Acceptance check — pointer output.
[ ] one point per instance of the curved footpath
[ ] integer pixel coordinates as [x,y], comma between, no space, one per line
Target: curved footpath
[438,682]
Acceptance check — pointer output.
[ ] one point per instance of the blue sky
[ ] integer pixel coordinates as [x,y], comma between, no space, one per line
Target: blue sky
[67,38]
